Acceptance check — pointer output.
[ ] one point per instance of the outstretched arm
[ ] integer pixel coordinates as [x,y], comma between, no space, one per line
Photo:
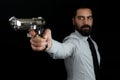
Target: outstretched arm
[54,48]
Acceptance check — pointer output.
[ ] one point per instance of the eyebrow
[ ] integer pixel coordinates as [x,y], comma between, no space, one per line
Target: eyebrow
[84,16]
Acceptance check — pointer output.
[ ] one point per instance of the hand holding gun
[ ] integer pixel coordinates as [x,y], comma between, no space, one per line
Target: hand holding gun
[41,38]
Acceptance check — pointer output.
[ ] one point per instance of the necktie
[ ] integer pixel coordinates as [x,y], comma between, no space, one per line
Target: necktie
[95,60]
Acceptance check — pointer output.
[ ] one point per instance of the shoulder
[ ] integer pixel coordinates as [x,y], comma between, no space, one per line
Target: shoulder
[72,39]
[72,36]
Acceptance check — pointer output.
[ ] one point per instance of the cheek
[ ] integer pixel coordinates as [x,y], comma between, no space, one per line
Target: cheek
[79,24]
[90,23]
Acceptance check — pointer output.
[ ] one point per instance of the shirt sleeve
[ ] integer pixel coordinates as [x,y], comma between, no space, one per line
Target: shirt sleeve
[61,50]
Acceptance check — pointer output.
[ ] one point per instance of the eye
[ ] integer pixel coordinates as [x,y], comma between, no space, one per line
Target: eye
[80,17]
[90,17]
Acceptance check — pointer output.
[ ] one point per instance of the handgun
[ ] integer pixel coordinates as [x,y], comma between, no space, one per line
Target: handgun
[36,23]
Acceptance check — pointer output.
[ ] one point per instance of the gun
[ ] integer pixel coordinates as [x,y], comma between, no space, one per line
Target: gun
[37,24]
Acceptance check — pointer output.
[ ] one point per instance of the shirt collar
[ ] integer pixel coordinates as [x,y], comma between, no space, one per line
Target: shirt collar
[81,36]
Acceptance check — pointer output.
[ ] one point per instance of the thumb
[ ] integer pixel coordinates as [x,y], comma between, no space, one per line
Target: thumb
[47,34]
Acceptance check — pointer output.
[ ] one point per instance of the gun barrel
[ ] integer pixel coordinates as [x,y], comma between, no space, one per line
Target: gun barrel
[26,23]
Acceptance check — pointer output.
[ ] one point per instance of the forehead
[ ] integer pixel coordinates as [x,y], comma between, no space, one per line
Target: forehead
[84,12]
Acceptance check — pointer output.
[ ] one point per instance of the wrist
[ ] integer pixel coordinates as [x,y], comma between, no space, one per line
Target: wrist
[48,46]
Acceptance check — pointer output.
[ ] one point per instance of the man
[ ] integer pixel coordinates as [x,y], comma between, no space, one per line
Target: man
[75,48]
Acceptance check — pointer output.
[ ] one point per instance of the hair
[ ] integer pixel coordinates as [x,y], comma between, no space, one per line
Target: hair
[81,5]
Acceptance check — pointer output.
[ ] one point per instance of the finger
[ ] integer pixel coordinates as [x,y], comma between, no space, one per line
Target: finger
[38,44]
[32,32]
[38,39]
[38,48]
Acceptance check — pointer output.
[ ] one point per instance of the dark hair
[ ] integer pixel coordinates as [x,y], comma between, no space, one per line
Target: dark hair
[75,10]
[81,5]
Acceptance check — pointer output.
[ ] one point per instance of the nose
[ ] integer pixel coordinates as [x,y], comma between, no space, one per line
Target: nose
[85,21]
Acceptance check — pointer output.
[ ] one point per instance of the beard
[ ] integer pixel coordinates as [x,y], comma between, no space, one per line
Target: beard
[85,30]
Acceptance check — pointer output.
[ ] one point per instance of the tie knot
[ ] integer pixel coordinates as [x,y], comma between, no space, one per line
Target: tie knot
[88,39]
[90,42]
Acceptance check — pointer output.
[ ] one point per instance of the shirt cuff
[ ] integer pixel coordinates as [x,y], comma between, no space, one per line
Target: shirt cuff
[53,48]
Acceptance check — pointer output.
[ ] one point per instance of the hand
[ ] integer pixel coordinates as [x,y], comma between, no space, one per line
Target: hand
[39,43]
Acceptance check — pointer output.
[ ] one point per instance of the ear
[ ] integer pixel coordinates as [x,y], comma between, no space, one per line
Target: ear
[73,21]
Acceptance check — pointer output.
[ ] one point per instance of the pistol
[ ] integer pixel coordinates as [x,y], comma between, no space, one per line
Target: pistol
[38,24]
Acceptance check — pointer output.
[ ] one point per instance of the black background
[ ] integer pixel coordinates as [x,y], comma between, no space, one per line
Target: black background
[18,61]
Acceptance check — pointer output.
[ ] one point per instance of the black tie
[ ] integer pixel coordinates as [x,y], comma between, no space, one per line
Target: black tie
[95,60]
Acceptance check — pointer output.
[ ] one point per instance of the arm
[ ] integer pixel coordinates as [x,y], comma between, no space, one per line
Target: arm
[61,50]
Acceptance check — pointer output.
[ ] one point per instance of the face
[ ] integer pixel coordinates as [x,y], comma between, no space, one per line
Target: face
[83,21]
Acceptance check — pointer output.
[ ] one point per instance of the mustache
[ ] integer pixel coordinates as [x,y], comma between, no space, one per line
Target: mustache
[86,26]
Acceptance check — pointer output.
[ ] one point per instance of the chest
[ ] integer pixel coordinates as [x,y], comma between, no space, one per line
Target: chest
[83,53]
